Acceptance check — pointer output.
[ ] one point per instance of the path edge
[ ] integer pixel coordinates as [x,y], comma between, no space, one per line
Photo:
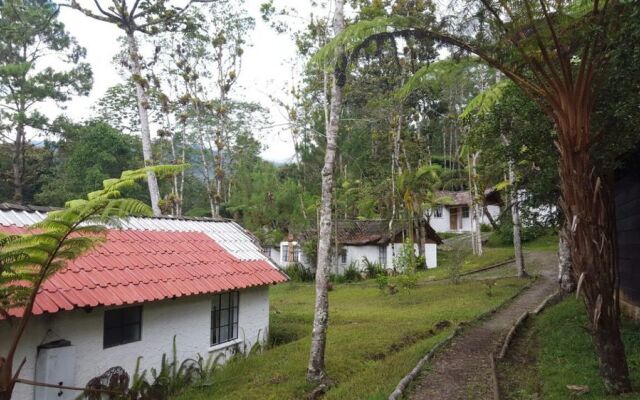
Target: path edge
[407,379]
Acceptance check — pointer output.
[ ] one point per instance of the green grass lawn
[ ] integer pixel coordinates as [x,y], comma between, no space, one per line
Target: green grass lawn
[374,338]
[543,243]
[490,256]
[555,350]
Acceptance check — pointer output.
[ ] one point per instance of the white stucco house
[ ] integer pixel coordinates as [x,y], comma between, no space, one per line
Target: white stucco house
[364,240]
[203,281]
[454,215]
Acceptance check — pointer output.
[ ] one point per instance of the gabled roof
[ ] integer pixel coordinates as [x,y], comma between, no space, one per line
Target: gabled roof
[151,259]
[364,232]
[463,197]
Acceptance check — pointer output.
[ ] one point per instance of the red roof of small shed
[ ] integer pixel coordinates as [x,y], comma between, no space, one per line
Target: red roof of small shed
[136,266]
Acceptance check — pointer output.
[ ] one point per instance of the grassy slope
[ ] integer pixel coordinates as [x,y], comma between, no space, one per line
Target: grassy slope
[543,243]
[374,338]
[556,351]
[491,256]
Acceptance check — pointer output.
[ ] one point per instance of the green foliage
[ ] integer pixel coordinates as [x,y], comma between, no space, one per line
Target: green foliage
[382,281]
[299,273]
[373,269]
[407,280]
[504,234]
[406,262]
[171,378]
[355,35]
[455,267]
[486,228]
[352,273]
[86,155]
[30,31]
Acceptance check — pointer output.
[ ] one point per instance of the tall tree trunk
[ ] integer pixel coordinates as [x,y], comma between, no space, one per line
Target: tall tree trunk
[316,369]
[145,134]
[17,163]
[587,205]
[517,225]
[422,235]
[207,180]
[474,208]
[566,279]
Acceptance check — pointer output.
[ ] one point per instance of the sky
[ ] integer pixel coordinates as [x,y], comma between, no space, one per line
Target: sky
[267,68]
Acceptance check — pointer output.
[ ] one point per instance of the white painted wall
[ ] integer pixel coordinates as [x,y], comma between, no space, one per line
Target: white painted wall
[357,254]
[302,259]
[188,318]
[442,223]
[431,255]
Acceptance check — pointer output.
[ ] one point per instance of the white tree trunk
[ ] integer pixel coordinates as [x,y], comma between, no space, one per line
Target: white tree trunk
[145,134]
[475,212]
[515,218]
[565,271]
[316,369]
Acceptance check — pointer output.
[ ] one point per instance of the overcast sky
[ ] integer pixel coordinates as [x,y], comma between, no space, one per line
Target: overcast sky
[267,69]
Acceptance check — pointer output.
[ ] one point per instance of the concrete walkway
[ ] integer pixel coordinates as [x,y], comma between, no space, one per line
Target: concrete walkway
[463,370]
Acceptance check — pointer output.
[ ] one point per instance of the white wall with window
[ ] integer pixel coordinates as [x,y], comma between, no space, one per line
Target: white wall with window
[383,254]
[104,338]
[288,253]
[455,218]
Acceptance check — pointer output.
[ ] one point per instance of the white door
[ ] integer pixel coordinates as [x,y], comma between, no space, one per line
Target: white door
[57,366]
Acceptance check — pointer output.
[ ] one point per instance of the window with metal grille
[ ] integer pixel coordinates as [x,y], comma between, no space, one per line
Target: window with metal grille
[224,317]
[382,255]
[122,325]
[465,212]
[437,212]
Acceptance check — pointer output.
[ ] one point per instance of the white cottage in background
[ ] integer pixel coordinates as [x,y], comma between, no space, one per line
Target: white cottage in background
[365,240]
[371,240]
[203,281]
[454,216]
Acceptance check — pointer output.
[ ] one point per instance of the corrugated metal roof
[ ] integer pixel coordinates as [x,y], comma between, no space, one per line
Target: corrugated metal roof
[231,236]
[136,266]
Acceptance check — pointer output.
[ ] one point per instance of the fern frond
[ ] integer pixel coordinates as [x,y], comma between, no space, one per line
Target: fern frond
[484,101]
[354,35]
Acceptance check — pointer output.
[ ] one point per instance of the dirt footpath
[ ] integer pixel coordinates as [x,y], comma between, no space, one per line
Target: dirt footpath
[463,370]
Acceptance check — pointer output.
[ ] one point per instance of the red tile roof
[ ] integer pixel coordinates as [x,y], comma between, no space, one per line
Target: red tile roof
[135,266]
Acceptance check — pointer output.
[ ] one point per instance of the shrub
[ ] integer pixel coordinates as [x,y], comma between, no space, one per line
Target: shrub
[373,269]
[408,280]
[420,262]
[486,228]
[488,286]
[455,266]
[169,380]
[504,234]
[351,273]
[299,273]
[336,278]
[406,259]
[382,281]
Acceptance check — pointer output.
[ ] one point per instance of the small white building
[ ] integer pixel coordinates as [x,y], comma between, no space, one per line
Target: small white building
[203,281]
[454,215]
[361,241]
